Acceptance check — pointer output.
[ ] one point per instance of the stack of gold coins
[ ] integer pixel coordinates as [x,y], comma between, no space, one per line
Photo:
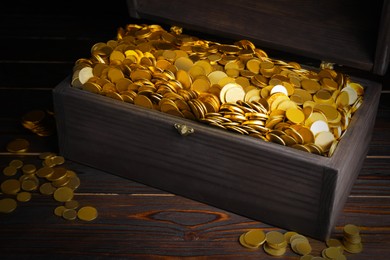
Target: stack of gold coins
[252,239]
[39,122]
[235,87]
[18,145]
[275,244]
[351,239]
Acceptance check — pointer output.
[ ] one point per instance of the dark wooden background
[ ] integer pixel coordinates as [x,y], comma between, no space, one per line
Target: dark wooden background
[39,45]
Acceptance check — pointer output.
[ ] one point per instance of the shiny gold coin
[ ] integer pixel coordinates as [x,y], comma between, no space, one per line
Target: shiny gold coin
[255,237]
[295,115]
[18,146]
[63,194]
[72,204]
[87,213]
[47,188]
[11,186]
[10,171]
[332,242]
[69,214]
[23,196]
[7,205]
[16,163]
[275,239]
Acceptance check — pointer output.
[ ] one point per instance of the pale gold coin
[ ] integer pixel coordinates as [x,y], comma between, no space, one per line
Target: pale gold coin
[18,145]
[306,257]
[74,183]
[324,140]
[302,248]
[63,194]
[7,205]
[184,63]
[85,74]
[16,163]
[10,186]
[10,171]
[92,87]
[69,214]
[351,230]
[23,196]
[58,174]
[87,213]
[288,235]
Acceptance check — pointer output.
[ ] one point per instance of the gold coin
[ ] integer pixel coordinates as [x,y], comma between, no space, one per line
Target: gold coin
[74,182]
[143,101]
[10,171]
[10,186]
[59,210]
[58,174]
[47,188]
[63,194]
[275,239]
[7,205]
[16,163]
[288,235]
[306,257]
[295,115]
[302,248]
[244,244]
[58,160]
[29,169]
[87,213]
[44,172]
[72,204]
[23,196]
[69,214]
[351,230]
[18,145]
[272,251]
[29,185]
[255,237]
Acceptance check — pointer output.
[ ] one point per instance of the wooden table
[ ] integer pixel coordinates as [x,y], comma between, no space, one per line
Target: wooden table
[40,44]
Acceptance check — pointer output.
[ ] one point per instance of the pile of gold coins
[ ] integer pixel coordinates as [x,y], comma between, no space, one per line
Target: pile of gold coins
[276,243]
[51,179]
[39,122]
[236,87]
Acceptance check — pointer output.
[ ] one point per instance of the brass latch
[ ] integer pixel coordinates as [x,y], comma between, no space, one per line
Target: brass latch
[184,129]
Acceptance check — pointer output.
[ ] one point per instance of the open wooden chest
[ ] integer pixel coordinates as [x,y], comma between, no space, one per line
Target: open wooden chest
[279,185]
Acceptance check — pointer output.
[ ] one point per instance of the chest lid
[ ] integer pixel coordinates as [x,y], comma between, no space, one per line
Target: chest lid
[349,33]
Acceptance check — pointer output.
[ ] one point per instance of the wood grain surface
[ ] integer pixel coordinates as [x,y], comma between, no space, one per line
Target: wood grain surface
[40,42]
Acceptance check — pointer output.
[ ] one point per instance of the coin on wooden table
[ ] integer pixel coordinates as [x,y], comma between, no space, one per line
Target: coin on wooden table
[87,213]
[10,171]
[16,163]
[7,205]
[18,145]
[23,196]
[10,186]
[63,194]
[69,214]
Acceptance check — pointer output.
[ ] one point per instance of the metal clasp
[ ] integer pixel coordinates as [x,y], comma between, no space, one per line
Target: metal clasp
[184,129]
[327,65]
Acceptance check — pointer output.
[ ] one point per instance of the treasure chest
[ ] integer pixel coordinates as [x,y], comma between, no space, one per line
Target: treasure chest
[194,103]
